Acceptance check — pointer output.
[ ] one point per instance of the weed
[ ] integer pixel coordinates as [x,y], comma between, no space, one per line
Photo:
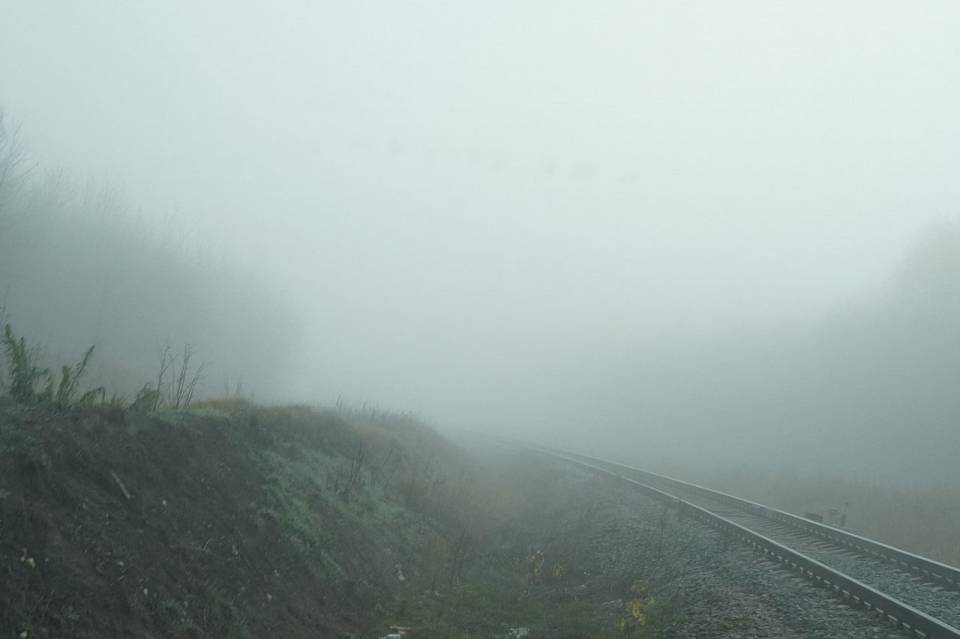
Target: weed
[177,391]
[31,384]
[70,378]
[146,401]
[24,373]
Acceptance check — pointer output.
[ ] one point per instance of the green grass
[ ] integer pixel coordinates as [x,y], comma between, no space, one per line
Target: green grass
[29,383]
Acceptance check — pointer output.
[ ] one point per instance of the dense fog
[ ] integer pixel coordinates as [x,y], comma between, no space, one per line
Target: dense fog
[714,232]
[79,266]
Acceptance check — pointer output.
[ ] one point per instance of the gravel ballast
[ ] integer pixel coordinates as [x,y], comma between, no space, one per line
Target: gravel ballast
[719,588]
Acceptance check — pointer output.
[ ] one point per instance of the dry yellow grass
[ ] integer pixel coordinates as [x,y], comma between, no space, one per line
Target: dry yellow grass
[921,519]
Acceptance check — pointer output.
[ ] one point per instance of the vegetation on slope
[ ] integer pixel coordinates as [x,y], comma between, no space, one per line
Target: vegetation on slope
[235,519]
[239,520]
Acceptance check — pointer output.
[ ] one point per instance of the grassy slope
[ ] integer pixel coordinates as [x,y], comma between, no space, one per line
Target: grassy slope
[241,521]
[245,521]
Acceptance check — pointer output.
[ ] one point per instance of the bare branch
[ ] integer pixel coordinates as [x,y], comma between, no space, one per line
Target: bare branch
[166,360]
[13,158]
[191,387]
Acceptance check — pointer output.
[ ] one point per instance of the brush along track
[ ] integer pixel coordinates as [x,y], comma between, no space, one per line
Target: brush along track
[897,589]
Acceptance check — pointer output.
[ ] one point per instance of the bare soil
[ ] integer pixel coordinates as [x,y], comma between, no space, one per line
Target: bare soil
[122,525]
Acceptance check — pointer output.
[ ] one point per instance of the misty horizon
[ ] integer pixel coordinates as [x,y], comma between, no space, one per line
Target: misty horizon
[606,227]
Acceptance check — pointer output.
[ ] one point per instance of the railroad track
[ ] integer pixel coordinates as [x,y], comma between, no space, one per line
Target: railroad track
[917,594]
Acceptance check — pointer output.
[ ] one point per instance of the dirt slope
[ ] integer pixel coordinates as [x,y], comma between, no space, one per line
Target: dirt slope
[251,522]
[242,521]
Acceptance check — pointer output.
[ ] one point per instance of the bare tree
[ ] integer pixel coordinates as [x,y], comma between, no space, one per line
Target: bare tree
[13,161]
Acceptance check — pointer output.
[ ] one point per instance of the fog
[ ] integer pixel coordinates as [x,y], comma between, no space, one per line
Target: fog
[718,232]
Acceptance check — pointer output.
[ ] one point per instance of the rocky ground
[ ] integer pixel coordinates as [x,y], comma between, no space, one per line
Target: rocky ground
[622,547]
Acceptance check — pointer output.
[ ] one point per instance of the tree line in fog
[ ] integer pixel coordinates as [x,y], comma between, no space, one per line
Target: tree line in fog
[82,266]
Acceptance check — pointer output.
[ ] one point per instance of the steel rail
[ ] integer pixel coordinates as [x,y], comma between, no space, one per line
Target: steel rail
[851,590]
[935,571]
